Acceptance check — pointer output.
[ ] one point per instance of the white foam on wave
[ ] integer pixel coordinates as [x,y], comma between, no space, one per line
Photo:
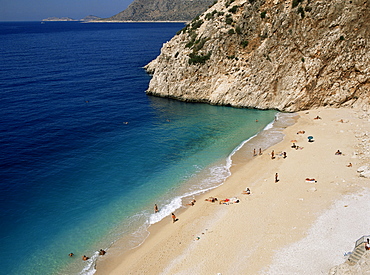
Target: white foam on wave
[332,236]
[271,124]
[89,268]
[217,175]
[165,210]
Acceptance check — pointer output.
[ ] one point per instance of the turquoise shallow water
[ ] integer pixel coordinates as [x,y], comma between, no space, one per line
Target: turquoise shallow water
[86,153]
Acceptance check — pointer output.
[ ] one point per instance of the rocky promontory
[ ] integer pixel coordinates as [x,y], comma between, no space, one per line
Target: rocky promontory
[162,10]
[287,55]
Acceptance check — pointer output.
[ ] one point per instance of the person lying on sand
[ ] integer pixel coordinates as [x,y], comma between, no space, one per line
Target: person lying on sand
[317,117]
[227,201]
[310,180]
[338,153]
[349,164]
[192,202]
[211,199]
[246,191]
[301,132]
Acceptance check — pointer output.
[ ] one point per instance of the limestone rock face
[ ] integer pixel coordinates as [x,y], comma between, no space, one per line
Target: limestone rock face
[273,54]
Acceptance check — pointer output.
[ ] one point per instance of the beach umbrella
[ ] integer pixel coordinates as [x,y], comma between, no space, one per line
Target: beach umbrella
[310,137]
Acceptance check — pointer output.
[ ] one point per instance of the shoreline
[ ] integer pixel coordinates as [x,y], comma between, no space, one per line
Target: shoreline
[246,235]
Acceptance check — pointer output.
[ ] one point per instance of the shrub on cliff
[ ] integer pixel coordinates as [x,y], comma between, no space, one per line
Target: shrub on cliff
[210,15]
[234,9]
[198,59]
[231,31]
[190,44]
[196,24]
[198,45]
[296,3]
[301,11]
[229,20]
[244,43]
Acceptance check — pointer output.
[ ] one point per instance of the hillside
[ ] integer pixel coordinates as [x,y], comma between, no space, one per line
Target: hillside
[162,10]
[285,55]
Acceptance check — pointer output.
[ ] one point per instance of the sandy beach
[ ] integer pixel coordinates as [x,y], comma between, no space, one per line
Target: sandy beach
[289,226]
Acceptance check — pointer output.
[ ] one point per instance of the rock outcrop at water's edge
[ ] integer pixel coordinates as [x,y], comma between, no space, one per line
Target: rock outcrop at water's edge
[273,54]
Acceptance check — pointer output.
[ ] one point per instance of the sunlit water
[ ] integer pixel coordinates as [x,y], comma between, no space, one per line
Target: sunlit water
[86,154]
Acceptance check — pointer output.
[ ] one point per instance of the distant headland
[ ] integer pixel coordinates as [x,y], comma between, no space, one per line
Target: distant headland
[64,19]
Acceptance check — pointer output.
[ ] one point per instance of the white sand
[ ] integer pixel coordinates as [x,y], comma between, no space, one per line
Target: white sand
[332,235]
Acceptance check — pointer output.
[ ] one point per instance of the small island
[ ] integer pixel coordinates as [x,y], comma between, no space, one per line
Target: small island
[59,19]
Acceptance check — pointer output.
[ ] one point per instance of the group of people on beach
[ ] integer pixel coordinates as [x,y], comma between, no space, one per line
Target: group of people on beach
[255,152]
[248,191]
[174,218]
[85,258]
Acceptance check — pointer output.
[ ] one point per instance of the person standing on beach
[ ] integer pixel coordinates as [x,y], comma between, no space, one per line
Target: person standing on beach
[173,217]
[155,208]
[260,151]
[272,154]
[276,177]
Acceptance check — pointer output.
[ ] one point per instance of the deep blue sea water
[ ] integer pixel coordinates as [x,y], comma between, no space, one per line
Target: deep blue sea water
[85,153]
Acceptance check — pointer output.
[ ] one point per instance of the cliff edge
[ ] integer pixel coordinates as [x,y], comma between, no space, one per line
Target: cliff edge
[287,55]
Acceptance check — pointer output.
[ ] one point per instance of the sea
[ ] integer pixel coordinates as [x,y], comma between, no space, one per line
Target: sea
[85,153]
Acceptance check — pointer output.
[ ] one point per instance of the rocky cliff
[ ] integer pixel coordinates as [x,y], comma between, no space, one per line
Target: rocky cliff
[274,54]
[162,10]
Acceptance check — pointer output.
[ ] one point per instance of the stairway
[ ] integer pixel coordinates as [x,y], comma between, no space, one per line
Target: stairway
[356,254]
